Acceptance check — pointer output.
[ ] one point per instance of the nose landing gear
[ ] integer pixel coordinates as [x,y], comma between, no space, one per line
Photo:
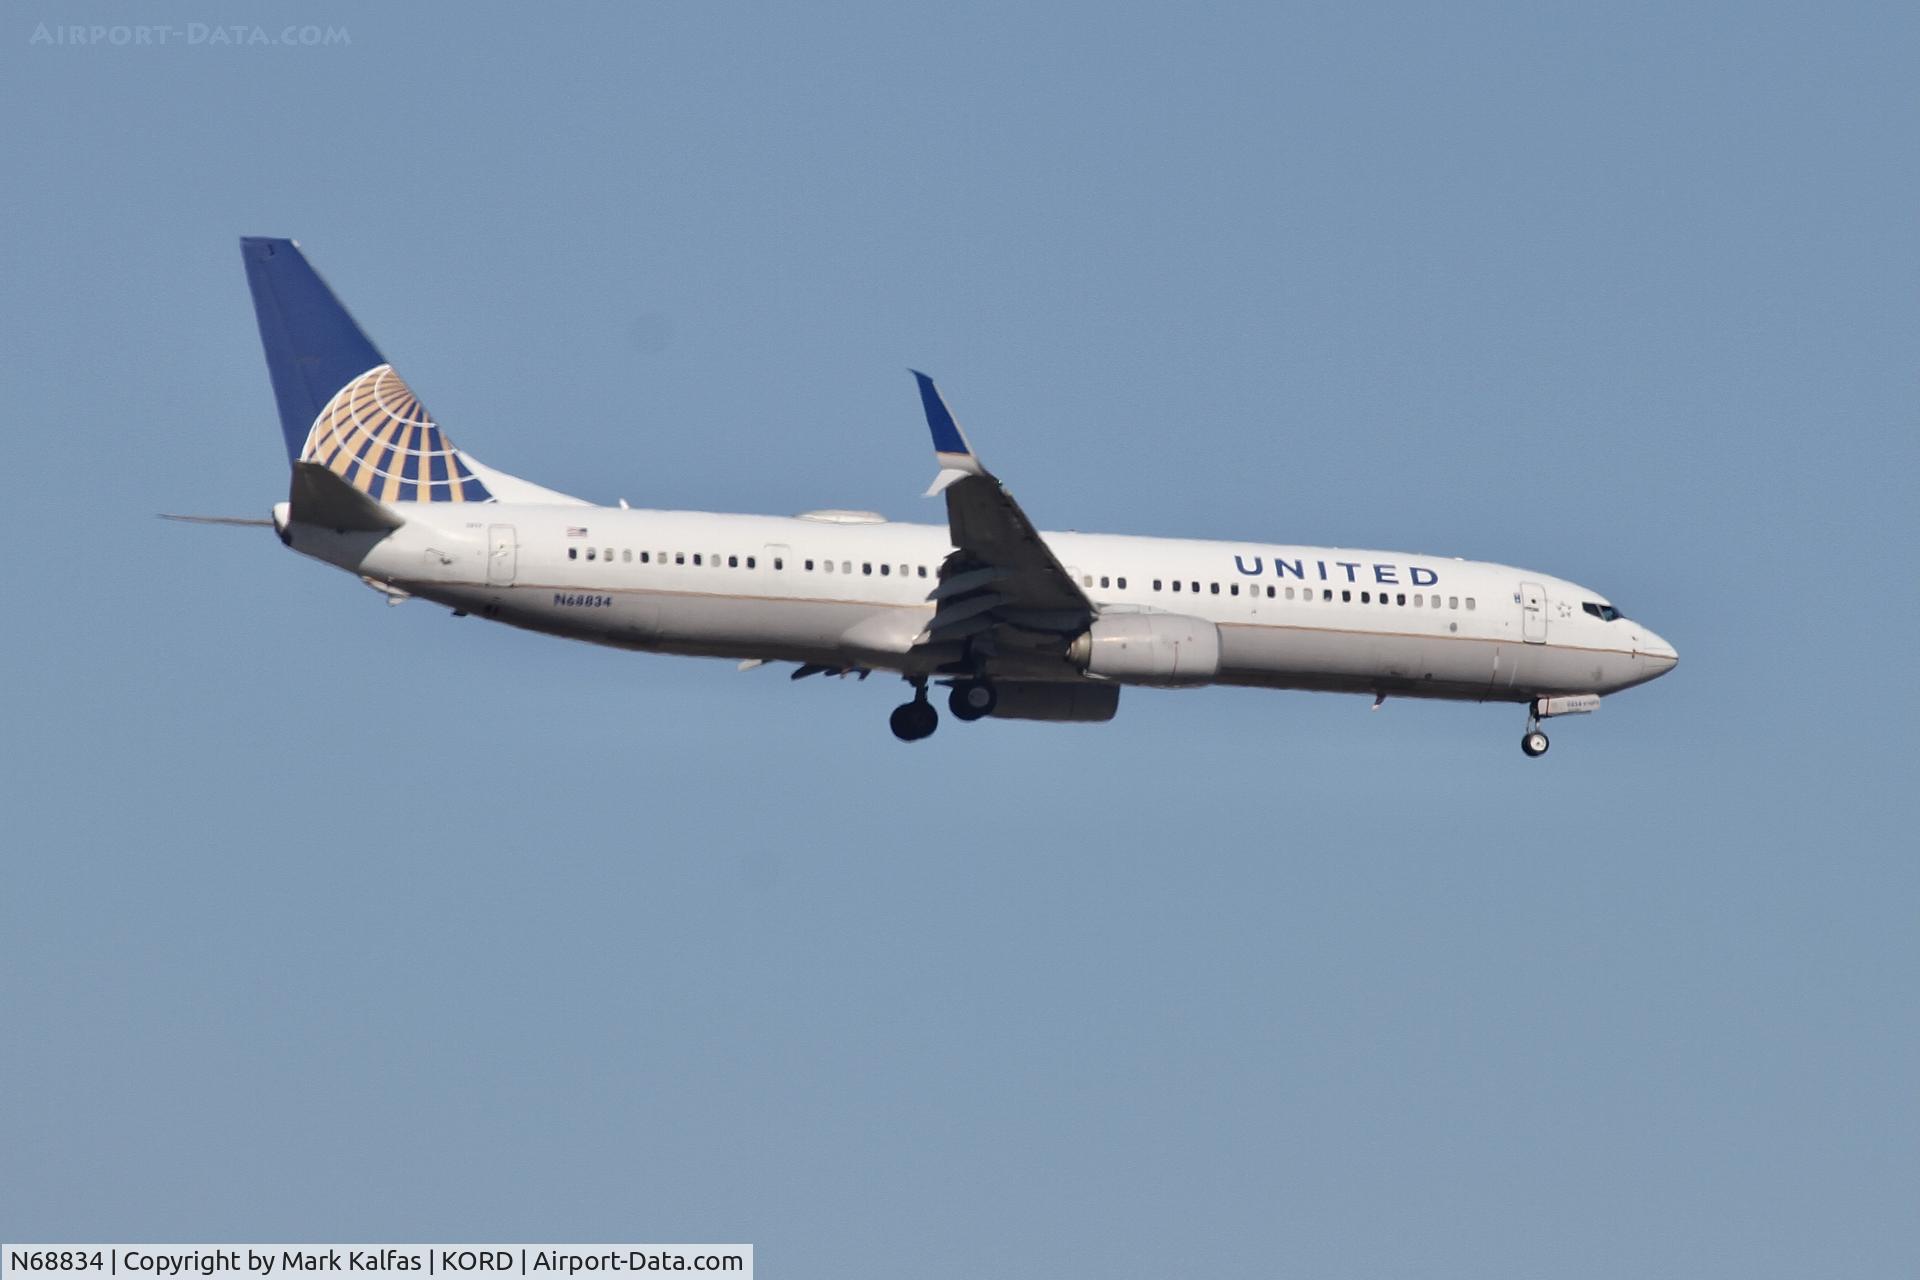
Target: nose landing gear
[1533,742]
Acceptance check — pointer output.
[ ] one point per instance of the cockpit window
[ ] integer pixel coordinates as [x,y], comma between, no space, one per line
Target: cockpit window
[1604,612]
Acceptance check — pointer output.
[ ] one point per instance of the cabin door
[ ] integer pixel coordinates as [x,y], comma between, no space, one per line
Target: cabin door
[1533,613]
[502,554]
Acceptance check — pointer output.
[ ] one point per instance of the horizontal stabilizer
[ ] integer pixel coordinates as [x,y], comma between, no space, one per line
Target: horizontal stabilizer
[248,521]
[319,497]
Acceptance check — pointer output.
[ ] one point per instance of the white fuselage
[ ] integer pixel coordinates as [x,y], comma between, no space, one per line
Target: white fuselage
[851,592]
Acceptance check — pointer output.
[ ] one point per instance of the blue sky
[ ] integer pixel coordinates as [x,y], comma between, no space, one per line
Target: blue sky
[324,920]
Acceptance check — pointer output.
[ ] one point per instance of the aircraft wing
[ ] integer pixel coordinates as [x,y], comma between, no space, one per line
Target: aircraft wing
[1001,573]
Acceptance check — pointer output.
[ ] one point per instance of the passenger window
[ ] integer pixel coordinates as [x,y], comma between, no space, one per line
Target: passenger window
[609,553]
[589,553]
[923,571]
[1419,600]
[903,571]
[1365,598]
[1469,604]
[1121,583]
[626,555]
[1401,598]
[866,567]
[826,566]
[807,565]
[679,557]
[886,570]
[1453,602]
[1086,580]
[733,562]
[1234,589]
[1270,593]
[750,562]
[1216,587]
[1346,597]
[1289,592]
[573,553]
[846,566]
[1105,581]
[1156,584]
[1176,584]
[1436,602]
[696,557]
[1195,586]
[643,557]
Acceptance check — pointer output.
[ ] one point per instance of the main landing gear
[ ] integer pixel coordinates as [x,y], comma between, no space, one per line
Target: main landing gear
[971,699]
[912,721]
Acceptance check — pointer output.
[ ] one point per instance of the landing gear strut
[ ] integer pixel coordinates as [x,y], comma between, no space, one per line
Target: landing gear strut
[1533,742]
[972,699]
[912,721]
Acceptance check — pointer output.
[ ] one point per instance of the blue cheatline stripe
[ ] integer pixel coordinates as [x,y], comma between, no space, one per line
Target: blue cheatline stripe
[946,432]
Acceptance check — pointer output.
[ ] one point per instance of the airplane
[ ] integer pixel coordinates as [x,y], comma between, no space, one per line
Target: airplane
[1014,623]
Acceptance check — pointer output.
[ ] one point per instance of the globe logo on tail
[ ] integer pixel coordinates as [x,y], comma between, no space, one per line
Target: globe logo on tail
[376,435]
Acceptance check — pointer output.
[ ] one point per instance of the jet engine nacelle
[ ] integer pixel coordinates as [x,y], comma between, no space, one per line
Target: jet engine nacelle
[1084,702]
[1149,648]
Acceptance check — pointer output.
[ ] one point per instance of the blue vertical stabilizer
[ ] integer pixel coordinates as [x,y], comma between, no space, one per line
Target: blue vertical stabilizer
[342,406]
[313,346]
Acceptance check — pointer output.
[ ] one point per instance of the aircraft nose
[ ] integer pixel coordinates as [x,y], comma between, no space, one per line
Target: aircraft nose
[1662,656]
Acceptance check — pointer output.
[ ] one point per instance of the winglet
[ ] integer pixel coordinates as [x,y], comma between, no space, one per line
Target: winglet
[950,447]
